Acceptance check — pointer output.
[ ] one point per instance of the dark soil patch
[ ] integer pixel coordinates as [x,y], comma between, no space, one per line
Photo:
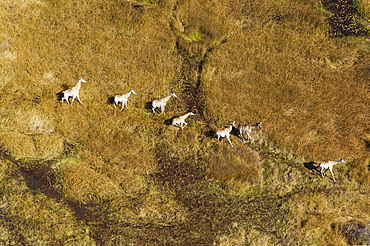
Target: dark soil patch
[345,19]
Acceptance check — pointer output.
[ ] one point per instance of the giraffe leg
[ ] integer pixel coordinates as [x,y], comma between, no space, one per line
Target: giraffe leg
[332,174]
[322,171]
[249,136]
[241,135]
[73,98]
[228,138]
[65,99]
[78,98]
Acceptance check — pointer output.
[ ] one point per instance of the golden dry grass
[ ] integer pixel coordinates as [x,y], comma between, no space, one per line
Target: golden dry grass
[239,169]
[34,218]
[307,110]
[92,175]
[330,210]
[364,6]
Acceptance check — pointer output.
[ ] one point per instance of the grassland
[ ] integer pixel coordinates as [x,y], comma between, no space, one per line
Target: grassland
[93,175]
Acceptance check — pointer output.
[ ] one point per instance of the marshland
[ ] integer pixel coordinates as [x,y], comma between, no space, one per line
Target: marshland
[91,174]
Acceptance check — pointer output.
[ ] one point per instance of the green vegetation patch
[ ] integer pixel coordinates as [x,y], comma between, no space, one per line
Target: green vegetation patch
[194,36]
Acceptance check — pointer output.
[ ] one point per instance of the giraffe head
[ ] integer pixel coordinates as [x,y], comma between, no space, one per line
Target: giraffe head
[258,125]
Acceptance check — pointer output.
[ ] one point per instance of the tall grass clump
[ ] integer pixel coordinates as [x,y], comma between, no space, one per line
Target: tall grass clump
[95,188]
[364,7]
[26,147]
[238,169]
[360,168]
[29,133]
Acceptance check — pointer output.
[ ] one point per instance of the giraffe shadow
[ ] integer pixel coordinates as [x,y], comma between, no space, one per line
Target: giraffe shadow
[168,122]
[210,134]
[110,100]
[236,133]
[311,166]
[60,94]
[148,105]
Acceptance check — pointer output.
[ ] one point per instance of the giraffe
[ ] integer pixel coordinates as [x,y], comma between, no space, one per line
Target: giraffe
[73,92]
[247,129]
[225,133]
[161,103]
[123,99]
[324,166]
[180,121]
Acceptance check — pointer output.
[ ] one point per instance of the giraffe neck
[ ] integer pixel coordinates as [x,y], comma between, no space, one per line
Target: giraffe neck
[230,127]
[78,85]
[167,98]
